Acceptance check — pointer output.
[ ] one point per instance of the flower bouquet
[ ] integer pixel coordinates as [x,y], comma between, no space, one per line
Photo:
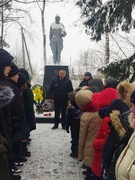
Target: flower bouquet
[38,97]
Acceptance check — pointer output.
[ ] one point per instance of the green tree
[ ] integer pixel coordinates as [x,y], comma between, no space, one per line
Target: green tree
[115,15]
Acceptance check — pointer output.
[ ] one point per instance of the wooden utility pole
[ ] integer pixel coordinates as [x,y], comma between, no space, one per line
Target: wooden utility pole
[23,50]
[24,47]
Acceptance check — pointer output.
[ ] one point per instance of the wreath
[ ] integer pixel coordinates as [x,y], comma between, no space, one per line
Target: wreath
[38,97]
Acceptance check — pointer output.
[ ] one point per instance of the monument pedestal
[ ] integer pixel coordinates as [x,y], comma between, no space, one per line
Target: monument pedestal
[51,72]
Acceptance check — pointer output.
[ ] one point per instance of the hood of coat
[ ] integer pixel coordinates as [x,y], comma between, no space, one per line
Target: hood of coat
[116,122]
[6,95]
[125,89]
[104,98]
[83,97]
[5,60]
[116,108]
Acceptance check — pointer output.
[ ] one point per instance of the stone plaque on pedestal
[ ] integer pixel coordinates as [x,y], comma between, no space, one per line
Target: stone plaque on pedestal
[51,72]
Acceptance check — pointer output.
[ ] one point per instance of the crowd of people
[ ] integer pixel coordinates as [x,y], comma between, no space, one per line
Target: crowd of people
[17,118]
[100,116]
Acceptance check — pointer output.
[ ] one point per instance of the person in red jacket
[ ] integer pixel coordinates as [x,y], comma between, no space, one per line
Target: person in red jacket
[101,101]
[99,142]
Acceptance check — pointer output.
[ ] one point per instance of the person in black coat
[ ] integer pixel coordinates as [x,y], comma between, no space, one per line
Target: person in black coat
[86,78]
[6,95]
[120,132]
[58,91]
[5,115]
[73,123]
[28,101]
[20,130]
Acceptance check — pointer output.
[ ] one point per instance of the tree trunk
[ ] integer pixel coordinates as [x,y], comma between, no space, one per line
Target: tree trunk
[43,32]
[107,48]
[2,27]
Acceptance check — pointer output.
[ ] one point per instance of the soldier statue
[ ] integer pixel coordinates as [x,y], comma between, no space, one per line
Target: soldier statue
[57,32]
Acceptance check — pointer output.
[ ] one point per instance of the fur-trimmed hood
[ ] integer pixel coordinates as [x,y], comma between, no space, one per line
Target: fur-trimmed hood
[116,122]
[6,95]
[127,87]
[104,98]
[117,109]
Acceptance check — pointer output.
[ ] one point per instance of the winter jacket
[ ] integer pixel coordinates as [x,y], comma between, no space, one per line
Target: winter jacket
[29,108]
[4,169]
[19,124]
[6,95]
[98,145]
[5,118]
[59,89]
[73,115]
[89,125]
[116,142]
[101,101]
[125,165]
[84,83]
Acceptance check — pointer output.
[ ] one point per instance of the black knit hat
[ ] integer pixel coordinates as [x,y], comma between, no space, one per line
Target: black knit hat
[96,82]
[13,71]
[119,105]
[111,82]
[5,60]
[21,80]
[88,74]
[25,73]
[93,89]
[132,97]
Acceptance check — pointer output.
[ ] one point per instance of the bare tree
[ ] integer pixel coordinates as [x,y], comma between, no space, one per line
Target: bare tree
[42,9]
[90,60]
[4,2]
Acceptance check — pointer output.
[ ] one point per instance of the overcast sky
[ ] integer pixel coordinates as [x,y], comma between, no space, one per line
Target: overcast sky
[75,41]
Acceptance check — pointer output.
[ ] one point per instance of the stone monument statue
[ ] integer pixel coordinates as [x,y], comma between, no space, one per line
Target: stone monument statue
[57,32]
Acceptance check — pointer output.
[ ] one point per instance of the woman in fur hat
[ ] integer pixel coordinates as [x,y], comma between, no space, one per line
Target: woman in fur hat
[125,166]
[89,125]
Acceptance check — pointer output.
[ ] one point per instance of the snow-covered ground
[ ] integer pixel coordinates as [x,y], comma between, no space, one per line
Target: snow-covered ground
[50,158]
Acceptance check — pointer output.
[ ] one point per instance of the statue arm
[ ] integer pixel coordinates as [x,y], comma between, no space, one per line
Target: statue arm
[63,31]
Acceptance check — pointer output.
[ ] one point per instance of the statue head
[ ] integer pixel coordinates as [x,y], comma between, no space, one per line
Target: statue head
[57,18]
